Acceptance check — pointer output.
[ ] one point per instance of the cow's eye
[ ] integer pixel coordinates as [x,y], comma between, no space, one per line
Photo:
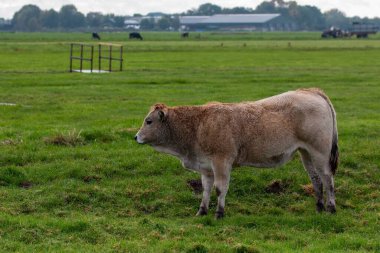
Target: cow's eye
[148,121]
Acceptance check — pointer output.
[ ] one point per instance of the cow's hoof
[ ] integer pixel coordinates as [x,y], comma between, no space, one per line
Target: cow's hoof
[331,209]
[219,215]
[320,207]
[202,211]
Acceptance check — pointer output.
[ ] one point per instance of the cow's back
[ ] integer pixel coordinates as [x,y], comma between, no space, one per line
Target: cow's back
[252,132]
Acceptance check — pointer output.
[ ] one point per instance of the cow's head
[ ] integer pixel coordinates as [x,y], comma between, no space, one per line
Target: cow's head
[154,129]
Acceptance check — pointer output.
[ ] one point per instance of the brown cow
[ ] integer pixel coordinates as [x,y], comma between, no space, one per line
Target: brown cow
[215,137]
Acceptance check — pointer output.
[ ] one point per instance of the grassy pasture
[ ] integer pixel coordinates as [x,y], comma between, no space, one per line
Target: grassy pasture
[73,179]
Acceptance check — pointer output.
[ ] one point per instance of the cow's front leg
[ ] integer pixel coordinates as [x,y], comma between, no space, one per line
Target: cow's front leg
[221,169]
[207,183]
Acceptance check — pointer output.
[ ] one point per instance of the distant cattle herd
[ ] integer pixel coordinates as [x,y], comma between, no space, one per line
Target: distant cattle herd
[95,36]
[132,35]
[136,35]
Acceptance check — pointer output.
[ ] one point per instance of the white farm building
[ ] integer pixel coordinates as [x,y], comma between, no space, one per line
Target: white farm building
[252,22]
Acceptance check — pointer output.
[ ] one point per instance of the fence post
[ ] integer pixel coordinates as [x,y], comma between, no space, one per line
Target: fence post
[92,57]
[121,58]
[71,57]
[92,53]
[81,57]
[110,59]
[100,57]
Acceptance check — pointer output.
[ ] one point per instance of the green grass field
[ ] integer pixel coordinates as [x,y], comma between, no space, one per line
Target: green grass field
[72,179]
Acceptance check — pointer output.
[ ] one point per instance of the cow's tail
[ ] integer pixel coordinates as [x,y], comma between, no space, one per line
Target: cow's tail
[334,153]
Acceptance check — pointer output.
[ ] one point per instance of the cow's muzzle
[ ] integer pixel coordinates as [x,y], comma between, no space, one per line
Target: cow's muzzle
[138,139]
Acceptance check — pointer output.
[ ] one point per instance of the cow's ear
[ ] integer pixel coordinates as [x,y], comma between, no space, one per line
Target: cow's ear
[159,107]
[162,115]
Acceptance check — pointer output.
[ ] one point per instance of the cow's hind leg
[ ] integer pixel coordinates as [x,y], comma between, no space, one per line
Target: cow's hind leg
[207,183]
[222,170]
[315,180]
[328,183]
[322,167]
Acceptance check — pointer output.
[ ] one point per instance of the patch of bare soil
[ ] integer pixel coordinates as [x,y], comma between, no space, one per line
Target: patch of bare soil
[195,185]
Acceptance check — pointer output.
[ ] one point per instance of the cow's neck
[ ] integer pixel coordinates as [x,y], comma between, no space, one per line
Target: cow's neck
[182,125]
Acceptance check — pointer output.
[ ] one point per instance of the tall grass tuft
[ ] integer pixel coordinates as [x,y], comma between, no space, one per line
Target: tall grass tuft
[70,138]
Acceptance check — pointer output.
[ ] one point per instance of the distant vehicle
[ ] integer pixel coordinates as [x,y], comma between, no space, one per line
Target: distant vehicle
[95,36]
[135,35]
[334,32]
[360,30]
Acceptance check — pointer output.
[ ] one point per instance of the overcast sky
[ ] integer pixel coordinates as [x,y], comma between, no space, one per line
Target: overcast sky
[362,8]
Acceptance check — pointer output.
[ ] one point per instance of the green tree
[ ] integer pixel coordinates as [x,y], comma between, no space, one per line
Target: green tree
[293,9]
[174,22]
[335,17]
[69,17]
[209,9]
[168,23]
[94,19]
[294,16]
[310,18]
[237,10]
[163,23]
[111,20]
[147,24]
[118,21]
[50,19]
[266,7]
[27,18]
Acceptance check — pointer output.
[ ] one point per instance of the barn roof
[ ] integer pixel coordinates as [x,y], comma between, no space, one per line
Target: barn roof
[227,19]
[131,22]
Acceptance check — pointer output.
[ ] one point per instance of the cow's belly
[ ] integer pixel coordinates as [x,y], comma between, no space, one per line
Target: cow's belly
[197,163]
[268,159]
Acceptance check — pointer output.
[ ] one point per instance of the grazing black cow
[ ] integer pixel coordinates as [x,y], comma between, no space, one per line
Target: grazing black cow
[95,36]
[185,35]
[135,35]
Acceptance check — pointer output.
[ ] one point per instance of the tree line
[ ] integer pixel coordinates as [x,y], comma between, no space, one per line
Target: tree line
[300,17]
[31,18]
